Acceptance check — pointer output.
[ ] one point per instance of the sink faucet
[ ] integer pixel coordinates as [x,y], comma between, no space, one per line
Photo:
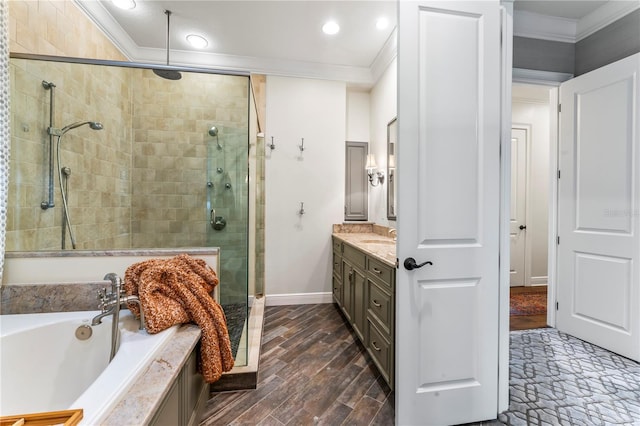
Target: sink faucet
[392,232]
[110,304]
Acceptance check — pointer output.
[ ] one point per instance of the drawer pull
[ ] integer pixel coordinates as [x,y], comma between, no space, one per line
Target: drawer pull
[375,346]
[377,271]
[376,304]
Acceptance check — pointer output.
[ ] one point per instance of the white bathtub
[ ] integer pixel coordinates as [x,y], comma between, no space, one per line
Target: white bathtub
[44,367]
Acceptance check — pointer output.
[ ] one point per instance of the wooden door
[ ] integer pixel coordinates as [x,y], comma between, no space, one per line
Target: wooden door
[518,222]
[448,194]
[598,208]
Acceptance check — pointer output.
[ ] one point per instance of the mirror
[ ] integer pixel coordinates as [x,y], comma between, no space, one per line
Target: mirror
[151,177]
[392,139]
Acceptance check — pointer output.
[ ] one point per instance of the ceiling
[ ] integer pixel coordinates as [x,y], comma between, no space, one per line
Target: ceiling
[281,37]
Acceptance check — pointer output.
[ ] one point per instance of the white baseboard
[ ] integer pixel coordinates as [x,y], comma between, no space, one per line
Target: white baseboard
[539,280]
[299,299]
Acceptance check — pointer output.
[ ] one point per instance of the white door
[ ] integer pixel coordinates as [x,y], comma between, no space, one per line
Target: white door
[598,208]
[518,222]
[448,193]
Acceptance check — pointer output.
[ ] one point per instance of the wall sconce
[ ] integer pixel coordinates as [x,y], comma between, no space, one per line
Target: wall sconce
[376,177]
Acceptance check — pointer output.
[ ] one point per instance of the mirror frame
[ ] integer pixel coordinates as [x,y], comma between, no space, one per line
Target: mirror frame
[392,147]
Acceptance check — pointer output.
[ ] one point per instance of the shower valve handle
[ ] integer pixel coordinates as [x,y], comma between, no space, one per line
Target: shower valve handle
[212,217]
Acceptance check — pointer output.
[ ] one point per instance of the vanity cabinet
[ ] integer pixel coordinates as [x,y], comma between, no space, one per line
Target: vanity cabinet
[186,400]
[364,289]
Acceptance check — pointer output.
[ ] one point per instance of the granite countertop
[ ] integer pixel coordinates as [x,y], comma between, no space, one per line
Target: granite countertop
[143,399]
[371,241]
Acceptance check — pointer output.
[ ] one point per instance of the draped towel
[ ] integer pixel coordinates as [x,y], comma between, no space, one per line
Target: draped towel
[175,291]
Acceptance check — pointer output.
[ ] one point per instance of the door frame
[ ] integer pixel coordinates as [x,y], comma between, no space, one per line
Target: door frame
[551,80]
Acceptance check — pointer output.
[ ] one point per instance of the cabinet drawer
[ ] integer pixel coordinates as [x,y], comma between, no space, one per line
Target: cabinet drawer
[337,264]
[337,290]
[380,349]
[337,246]
[380,271]
[379,305]
[356,257]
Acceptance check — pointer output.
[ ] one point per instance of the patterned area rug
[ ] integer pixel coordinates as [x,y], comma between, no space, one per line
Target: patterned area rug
[528,303]
[236,314]
[556,379]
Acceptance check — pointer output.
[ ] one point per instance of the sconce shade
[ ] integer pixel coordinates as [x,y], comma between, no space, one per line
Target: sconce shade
[371,162]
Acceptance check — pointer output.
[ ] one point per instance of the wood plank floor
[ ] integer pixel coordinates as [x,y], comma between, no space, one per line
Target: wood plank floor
[313,371]
[526,322]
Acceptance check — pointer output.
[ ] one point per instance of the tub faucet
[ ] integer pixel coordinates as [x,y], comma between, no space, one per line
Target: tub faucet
[110,304]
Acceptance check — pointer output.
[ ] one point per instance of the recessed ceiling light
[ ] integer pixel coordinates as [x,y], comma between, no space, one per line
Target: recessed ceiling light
[197,41]
[382,23]
[124,4]
[331,28]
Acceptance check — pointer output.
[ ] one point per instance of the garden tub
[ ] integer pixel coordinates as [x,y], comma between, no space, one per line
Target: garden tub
[48,364]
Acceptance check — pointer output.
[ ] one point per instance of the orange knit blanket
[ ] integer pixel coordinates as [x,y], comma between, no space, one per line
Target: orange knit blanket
[176,291]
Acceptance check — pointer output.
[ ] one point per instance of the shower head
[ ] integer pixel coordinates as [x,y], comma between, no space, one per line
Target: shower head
[213,131]
[95,125]
[166,73]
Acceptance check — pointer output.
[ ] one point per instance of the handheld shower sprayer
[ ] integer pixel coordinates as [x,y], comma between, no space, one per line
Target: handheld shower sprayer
[95,125]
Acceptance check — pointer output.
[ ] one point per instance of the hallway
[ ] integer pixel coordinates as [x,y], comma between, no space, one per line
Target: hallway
[313,371]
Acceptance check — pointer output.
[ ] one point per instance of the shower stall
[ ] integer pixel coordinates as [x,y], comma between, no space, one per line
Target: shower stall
[169,168]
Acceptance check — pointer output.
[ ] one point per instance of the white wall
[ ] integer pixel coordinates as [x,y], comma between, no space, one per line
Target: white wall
[384,107]
[358,116]
[531,106]
[298,248]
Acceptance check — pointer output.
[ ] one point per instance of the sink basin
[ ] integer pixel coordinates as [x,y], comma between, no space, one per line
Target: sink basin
[378,242]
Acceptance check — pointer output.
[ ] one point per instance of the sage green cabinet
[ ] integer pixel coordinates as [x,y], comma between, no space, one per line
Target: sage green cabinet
[186,400]
[364,290]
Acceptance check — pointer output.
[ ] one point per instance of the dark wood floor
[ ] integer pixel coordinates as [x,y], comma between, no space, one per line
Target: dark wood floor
[526,322]
[313,371]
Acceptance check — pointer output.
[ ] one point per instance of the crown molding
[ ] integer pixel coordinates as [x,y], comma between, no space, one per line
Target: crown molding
[385,57]
[604,15]
[103,20]
[533,25]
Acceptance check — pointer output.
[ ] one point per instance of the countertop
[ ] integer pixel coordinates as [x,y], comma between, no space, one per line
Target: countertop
[379,246]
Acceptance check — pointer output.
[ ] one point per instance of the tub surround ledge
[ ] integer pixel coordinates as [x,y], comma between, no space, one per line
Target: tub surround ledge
[46,298]
[143,399]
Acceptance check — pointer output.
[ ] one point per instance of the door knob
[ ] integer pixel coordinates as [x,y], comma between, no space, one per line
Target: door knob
[410,263]
[523,227]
